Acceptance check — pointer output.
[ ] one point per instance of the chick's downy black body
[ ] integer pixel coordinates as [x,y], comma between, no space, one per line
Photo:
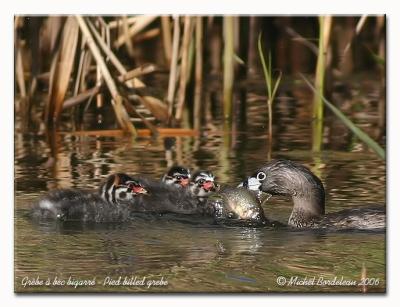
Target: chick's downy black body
[166,198]
[111,203]
[79,205]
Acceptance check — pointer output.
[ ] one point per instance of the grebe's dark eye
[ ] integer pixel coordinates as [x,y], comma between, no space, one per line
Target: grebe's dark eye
[261,176]
[179,177]
[201,181]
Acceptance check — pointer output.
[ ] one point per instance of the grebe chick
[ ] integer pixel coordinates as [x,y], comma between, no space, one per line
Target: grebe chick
[174,194]
[177,176]
[164,198]
[203,185]
[109,204]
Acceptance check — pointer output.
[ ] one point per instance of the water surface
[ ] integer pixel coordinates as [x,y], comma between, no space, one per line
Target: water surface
[197,256]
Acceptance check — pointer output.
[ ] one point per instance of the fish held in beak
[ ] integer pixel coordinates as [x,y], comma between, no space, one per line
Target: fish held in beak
[237,206]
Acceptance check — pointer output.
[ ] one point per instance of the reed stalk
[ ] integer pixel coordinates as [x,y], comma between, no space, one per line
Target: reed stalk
[173,71]
[198,73]
[80,70]
[141,23]
[271,84]
[149,34]
[136,83]
[229,55]
[137,72]
[191,54]
[81,97]
[251,53]
[99,77]
[155,106]
[120,111]
[61,69]
[318,105]
[24,101]
[128,40]
[19,71]
[356,130]
[184,67]
[131,109]
[78,81]
[167,38]
[117,23]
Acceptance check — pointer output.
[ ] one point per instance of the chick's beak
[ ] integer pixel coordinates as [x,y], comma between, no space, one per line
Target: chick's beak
[139,190]
[208,185]
[184,182]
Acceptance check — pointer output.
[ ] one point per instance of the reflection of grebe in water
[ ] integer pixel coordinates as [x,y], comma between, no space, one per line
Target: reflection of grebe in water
[282,177]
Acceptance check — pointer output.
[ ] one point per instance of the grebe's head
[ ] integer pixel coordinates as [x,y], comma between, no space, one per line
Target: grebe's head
[177,176]
[283,177]
[203,184]
[120,188]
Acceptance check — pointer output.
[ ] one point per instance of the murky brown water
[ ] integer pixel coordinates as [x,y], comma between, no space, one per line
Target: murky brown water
[193,256]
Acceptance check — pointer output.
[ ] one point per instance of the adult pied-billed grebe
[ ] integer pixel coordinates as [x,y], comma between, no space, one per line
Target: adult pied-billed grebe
[283,177]
[110,204]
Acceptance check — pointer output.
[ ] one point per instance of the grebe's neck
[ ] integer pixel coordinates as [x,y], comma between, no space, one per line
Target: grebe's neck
[307,207]
[283,177]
